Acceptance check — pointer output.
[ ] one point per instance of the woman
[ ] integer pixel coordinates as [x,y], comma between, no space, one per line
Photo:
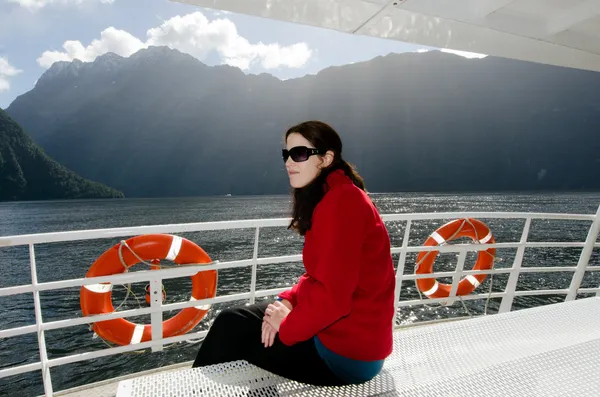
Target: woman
[334,327]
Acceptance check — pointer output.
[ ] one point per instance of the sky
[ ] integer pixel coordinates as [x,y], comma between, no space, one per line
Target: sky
[36,33]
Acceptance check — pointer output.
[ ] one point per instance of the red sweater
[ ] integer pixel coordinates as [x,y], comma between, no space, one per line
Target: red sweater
[346,296]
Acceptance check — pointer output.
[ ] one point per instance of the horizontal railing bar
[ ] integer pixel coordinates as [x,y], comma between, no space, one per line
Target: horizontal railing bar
[270,292]
[440,300]
[91,234]
[483,247]
[21,369]
[136,277]
[143,276]
[27,329]
[53,325]
[279,259]
[485,296]
[209,301]
[139,312]
[413,276]
[588,290]
[99,353]
[496,271]
[54,237]
[73,322]
[233,297]
[46,326]
[548,269]
[486,215]
[542,292]
[55,362]
[16,290]
[554,244]
[191,270]
[221,299]
[400,327]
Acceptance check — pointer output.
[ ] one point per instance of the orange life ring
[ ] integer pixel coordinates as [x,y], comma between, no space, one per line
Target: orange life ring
[97,298]
[478,232]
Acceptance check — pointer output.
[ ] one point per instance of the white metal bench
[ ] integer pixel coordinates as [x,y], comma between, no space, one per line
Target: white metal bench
[552,350]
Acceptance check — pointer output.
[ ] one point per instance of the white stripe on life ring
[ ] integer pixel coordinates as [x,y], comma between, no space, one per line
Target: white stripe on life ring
[486,238]
[175,247]
[432,290]
[99,288]
[138,332]
[439,239]
[473,281]
[203,307]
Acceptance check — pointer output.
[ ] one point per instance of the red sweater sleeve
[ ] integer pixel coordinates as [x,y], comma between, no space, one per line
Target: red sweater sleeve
[290,294]
[338,233]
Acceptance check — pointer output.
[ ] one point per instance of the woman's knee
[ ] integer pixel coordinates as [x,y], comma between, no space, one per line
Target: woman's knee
[230,317]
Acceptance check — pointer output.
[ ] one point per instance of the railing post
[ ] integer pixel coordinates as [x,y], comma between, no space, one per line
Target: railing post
[584,258]
[458,272]
[511,284]
[156,318]
[254,266]
[46,377]
[400,269]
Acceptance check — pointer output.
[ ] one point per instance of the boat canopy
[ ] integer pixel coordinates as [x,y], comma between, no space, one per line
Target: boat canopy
[555,32]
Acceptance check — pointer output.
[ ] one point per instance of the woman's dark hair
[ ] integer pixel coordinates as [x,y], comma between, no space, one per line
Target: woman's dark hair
[305,199]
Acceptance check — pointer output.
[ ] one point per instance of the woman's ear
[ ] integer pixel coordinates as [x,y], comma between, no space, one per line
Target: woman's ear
[328,159]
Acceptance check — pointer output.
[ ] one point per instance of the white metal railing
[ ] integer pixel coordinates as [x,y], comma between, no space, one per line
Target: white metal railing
[155,277]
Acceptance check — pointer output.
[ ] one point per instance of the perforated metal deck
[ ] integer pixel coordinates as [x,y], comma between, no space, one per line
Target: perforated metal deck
[545,351]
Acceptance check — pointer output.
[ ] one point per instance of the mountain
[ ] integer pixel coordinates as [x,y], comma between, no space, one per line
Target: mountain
[161,123]
[27,173]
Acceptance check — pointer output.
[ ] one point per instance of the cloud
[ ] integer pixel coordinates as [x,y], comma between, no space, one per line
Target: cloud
[111,40]
[193,34]
[38,4]
[6,71]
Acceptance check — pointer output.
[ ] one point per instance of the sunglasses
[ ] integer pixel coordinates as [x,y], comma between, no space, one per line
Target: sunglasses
[300,153]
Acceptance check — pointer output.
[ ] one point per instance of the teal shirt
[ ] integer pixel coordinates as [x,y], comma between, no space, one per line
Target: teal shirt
[347,369]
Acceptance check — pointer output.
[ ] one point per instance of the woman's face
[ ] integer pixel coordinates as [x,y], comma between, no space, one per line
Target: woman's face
[304,172]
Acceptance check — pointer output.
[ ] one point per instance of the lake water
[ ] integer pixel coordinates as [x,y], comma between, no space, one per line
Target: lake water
[71,260]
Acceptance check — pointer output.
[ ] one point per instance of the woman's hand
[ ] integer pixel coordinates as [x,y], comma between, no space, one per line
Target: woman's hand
[268,334]
[275,314]
[287,304]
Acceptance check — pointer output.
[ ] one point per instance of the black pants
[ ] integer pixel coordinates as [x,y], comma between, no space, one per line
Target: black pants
[236,335]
